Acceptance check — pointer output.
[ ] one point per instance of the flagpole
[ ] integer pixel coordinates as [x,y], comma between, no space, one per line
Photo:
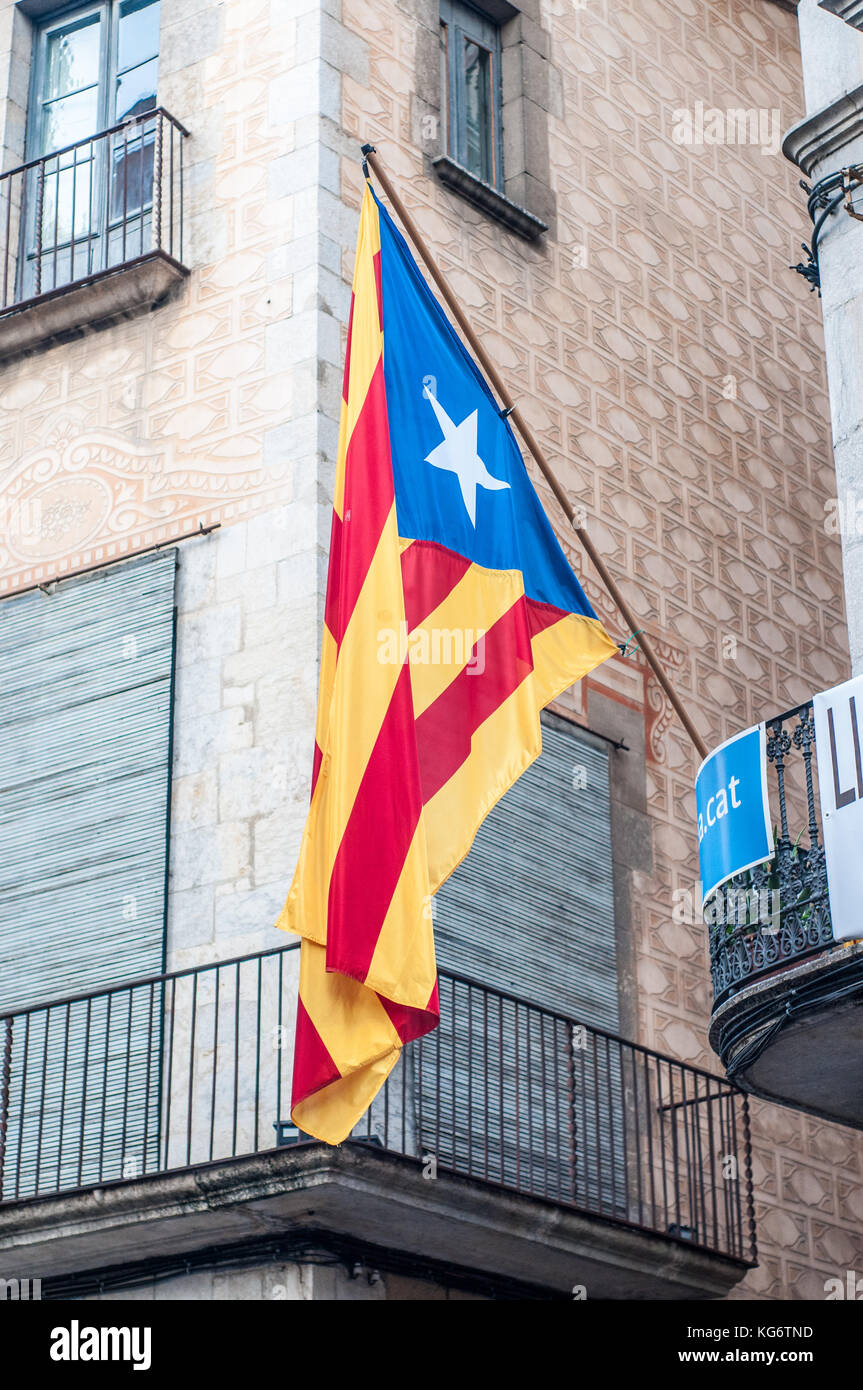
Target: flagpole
[371,159]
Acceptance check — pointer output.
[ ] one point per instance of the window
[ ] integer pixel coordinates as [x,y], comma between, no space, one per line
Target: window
[471,97]
[488,49]
[85,705]
[89,201]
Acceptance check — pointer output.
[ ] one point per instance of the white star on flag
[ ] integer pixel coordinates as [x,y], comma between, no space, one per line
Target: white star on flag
[457,453]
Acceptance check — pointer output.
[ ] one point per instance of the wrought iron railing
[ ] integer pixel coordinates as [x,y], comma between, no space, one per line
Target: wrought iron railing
[193,1067]
[779,912]
[92,207]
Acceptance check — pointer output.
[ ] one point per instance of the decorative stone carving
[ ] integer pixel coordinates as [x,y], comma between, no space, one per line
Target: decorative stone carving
[92,496]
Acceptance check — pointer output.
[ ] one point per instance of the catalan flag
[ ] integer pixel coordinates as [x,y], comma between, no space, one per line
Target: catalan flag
[452,617]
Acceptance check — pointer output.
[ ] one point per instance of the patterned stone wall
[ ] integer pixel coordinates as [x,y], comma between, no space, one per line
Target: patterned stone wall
[668,359]
[209,408]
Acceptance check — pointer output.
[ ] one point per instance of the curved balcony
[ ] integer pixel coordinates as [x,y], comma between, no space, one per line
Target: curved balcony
[786,995]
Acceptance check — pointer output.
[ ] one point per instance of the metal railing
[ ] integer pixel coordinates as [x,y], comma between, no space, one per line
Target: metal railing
[91,207]
[779,912]
[194,1067]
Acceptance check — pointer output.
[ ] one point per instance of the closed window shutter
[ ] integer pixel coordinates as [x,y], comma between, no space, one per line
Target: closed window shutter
[85,710]
[530,913]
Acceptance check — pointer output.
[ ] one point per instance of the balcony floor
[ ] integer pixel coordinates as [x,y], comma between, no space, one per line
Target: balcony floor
[795,1036]
[370,1196]
[105,297]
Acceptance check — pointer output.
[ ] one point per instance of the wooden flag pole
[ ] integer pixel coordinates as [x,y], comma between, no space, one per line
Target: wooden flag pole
[371,158]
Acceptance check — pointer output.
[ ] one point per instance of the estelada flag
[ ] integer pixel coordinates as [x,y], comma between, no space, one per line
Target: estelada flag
[452,618]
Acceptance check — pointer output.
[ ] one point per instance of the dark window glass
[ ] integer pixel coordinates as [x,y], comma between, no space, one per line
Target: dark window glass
[94,69]
[138,35]
[136,90]
[479,156]
[70,88]
[445,92]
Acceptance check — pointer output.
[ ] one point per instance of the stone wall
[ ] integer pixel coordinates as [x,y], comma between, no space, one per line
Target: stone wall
[669,361]
[218,408]
[278,1282]
[829,139]
[291,1282]
[246,679]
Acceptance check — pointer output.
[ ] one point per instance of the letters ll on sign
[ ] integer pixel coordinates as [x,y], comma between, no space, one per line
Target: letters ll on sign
[838,738]
[733,815]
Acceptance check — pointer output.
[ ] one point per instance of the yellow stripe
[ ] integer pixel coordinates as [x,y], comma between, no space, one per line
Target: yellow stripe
[565,652]
[341,457]
[362,691]
[501,749]
[365,677]
[480,598]
[402,967]
[329,657]
[356,1031]
[366,332]
[366,348]
[330,1114]
[508,741]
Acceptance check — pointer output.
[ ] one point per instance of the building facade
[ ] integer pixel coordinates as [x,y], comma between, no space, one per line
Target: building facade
[604,188]
[823,143]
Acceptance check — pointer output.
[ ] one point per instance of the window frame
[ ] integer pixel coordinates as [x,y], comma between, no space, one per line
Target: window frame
[104,229]
[109,39]
[462,25]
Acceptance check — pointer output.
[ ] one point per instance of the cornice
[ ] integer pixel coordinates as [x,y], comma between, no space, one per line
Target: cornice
[826,132]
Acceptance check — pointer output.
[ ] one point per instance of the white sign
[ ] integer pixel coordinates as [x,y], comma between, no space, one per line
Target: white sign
[838,741]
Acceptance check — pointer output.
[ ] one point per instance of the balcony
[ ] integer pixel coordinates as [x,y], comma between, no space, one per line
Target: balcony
[150,1120]
[91,233]
[787,1023]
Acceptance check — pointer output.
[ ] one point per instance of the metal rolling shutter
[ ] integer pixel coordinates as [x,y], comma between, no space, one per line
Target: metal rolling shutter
[85,712]
[530,912]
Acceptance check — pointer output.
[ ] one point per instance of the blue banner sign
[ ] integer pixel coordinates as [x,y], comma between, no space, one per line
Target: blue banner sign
[733,815]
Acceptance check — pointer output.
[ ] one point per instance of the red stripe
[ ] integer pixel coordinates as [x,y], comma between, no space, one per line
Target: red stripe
[334,573]
[429,573]
[543,615]
[376,840]
[316,765]
[313,1065]
[413,1023]
[369,495]
[445,729]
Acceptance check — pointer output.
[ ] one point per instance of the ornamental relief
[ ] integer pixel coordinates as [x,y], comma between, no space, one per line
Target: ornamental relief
[93,496]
